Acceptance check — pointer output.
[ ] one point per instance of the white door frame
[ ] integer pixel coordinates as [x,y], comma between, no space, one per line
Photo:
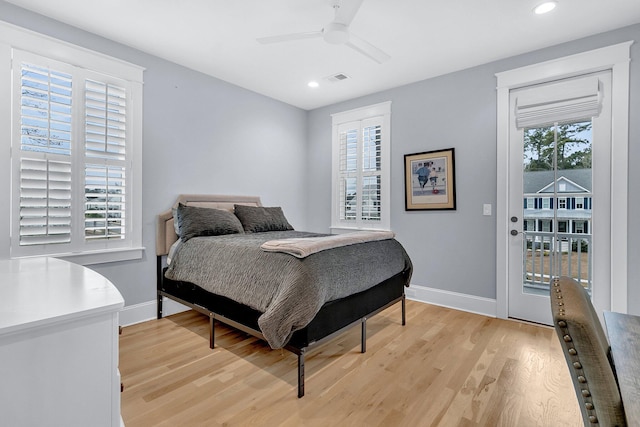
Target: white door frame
[615,58]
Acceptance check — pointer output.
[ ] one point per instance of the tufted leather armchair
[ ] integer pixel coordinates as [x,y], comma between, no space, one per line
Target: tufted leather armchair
[588,354]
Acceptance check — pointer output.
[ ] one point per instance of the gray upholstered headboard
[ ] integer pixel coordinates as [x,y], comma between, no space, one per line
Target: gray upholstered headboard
[165,231]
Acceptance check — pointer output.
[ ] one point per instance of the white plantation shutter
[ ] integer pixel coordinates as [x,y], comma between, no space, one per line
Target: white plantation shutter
[371,172]
[45,101]
[361,171]
[105,131]
[44,207]
[45,201]
[105,142]
[348,138]
[104,210]
[71,159]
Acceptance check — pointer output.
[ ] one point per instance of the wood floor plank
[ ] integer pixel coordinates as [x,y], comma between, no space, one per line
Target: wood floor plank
[443,368]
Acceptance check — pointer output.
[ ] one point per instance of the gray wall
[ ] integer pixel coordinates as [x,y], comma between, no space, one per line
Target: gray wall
[200,135]
[456,251]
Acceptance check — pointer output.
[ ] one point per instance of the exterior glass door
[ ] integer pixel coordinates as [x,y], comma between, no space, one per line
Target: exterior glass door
[556,168]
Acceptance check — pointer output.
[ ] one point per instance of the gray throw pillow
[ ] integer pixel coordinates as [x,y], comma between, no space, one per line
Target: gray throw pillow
[195,221]
[256,219]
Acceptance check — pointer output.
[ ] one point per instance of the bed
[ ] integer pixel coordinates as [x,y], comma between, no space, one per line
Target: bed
[294,297]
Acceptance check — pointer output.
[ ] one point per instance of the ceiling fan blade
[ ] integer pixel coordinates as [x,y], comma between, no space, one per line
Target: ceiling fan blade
[346,10]
[290,37]
[367,49]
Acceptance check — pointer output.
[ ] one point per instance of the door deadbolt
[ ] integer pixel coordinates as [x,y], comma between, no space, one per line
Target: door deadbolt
[514,219]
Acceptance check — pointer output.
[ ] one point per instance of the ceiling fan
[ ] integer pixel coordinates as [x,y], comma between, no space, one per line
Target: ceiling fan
[337,32]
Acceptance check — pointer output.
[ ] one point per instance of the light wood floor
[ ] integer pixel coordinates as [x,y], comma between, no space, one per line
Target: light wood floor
[444,368]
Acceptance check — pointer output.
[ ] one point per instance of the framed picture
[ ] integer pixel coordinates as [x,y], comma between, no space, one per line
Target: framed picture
[430,180]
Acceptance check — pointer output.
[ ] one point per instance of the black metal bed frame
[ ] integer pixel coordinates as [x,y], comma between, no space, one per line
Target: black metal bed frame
[300,343]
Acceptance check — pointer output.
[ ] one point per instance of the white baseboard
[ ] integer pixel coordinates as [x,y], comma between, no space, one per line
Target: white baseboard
[142,312]
[138,313]
[455,300]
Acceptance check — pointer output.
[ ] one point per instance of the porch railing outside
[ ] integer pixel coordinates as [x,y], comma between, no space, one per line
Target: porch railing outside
[572,251]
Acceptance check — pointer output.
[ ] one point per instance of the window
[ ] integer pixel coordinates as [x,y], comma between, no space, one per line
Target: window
[546,203]
[562,226]
[579,202]
[530,203]
[361,168]
[76,153]
[562,203]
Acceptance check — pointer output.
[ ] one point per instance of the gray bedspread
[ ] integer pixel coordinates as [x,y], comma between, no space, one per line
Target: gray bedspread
[287,290]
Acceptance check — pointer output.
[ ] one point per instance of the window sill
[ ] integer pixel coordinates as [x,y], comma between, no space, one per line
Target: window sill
[342,229]
[101,256]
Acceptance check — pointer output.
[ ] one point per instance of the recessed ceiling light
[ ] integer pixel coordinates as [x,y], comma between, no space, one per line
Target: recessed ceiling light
[545,7]
[313,83]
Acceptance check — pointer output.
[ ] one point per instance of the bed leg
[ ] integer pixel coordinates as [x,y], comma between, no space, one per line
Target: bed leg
[404,310]
[301,374]
[159,284]
[363,337]
[212,335]
[159,306]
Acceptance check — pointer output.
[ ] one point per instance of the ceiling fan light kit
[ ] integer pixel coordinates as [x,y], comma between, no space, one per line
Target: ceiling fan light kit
[335,33]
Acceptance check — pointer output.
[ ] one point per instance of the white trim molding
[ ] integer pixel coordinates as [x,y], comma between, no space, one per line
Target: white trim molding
[138,313]
[454,300]
[615,58]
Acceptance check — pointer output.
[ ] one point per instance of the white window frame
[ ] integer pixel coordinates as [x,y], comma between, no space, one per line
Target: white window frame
[579,202]
[546,203]
[14,38]
[381,111]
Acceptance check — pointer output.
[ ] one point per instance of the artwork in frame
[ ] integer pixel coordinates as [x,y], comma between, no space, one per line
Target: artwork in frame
[430,180]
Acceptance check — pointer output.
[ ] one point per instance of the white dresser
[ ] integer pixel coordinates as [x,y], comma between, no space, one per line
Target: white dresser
[58,345]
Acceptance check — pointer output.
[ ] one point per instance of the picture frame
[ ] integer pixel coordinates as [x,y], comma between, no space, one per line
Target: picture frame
[430,180]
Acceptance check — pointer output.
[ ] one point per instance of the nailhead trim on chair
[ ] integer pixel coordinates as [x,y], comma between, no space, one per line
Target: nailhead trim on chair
[577,366]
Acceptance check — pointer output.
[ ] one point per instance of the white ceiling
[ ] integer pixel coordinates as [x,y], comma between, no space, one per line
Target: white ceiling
[424,38]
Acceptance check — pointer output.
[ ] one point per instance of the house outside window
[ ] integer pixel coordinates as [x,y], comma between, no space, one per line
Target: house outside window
[361,178]
[574,205]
